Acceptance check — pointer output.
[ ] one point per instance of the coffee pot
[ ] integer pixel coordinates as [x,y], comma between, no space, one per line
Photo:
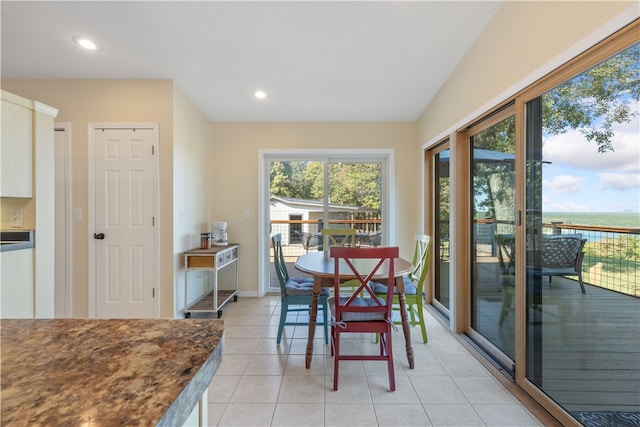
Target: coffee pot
[219,233]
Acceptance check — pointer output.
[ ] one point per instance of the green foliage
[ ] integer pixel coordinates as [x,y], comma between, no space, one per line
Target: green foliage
[494,182]
[355,184]
[350,184]
[595,100]
[624,246]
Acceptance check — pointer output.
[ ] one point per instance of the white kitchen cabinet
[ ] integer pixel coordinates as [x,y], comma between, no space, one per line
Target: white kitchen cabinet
[16,284]
[16,147]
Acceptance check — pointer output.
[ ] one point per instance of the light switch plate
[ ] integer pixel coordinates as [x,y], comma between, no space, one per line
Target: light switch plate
[16,217]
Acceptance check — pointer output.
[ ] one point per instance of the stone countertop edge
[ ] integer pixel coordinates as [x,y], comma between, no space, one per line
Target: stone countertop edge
[105,372]
[179,411]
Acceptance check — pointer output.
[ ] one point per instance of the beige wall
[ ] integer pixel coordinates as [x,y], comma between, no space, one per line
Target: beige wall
[198,157]
[81,102]
[522,38]
[235,174]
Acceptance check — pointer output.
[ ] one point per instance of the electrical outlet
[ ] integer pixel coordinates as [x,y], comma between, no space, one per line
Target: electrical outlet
[16,217]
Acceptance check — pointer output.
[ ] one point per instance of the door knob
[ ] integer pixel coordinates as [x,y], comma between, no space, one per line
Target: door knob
[98,236]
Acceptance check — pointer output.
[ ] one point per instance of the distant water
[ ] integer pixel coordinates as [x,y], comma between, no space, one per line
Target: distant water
[607,219]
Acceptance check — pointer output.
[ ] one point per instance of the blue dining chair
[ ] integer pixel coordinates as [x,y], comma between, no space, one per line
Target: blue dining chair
[296,294]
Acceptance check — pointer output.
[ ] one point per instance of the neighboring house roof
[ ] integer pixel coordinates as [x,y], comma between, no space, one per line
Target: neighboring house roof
[318,205]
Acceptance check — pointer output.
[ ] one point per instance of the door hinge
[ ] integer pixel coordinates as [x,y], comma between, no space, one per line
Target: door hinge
[153,221]
[153,150]
[153,292]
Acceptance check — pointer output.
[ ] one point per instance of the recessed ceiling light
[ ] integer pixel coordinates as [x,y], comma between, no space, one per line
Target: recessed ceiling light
[85,43]
[260,94]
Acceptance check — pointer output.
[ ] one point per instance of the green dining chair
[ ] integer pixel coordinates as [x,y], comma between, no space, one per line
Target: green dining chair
[296,294]
[413,285]
[340,238]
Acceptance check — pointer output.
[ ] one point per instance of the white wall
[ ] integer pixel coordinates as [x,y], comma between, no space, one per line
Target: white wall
[192,192]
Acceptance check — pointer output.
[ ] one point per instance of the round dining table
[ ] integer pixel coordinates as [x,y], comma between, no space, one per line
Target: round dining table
[321,266]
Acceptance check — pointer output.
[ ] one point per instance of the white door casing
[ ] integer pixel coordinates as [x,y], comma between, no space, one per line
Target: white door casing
[123,207]
[63,302]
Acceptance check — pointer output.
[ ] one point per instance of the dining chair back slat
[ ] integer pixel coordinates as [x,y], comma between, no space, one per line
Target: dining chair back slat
[338,237]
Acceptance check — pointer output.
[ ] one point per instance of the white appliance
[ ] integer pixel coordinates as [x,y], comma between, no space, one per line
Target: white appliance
[219,233]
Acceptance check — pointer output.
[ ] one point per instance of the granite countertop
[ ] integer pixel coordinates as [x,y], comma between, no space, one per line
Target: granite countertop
[106,372]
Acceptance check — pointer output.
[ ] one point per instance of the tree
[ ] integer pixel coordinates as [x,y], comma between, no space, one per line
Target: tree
[355,184]
[351,184]
[595,100]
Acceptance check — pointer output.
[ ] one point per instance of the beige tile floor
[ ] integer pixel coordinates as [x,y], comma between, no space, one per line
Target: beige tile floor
[260,383]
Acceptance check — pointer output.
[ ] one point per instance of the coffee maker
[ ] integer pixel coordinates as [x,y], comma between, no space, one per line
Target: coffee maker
[219,233]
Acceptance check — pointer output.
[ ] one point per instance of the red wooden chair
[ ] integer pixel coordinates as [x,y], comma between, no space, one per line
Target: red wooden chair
[367,313]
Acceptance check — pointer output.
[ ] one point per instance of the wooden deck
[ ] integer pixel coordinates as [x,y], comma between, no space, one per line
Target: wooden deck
[591,348]
[590,343]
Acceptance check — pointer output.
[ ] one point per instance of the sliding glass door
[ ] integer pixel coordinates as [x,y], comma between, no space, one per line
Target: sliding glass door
[491,147]
[582,261]
[441,237]
[307,194]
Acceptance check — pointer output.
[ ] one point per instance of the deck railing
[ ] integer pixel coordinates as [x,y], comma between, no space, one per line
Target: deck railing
[611,257]
[302,236]
[612,254]
[611,260]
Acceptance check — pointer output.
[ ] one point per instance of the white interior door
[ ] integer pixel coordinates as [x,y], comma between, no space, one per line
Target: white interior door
[125,237]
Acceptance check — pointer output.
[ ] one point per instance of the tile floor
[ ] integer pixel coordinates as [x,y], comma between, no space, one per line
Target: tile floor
[260,383]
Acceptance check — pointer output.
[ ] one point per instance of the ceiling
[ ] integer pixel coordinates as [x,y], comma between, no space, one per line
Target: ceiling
[317,61]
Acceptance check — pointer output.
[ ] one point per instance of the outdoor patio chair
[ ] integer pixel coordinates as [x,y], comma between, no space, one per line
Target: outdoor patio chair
[562,255]
[296,294]
[308,239]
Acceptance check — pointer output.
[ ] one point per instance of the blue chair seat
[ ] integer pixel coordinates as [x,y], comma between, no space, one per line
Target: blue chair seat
[293,287]
[308,280]
[409,287]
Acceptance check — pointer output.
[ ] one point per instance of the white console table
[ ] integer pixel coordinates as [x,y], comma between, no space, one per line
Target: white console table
[222,264]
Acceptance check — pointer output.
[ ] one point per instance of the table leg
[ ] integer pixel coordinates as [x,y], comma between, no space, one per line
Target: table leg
[406,328]
[313,314]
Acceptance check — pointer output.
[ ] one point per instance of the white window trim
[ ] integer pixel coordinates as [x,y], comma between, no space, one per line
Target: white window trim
[386,156]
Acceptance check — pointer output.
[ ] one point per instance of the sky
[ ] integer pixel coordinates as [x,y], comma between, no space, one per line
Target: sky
[579,179]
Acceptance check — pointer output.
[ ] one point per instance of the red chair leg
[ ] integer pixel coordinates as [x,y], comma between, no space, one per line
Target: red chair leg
[392,378]
[336,360]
